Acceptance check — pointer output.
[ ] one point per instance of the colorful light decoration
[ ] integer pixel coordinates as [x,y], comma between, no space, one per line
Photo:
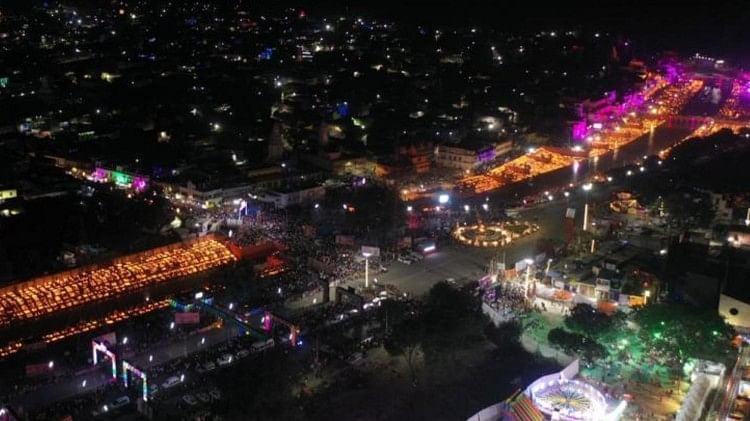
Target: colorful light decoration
[139,184]
[129,368]
[100,347]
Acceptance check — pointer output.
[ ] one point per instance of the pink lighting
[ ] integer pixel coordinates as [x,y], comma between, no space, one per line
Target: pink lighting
[139,184]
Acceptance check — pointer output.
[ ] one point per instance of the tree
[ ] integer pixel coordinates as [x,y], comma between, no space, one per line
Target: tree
[682,331]
[586,319]
[406,341]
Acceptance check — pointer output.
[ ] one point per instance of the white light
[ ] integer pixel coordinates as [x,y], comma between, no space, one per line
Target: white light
[642,169]
[587,187]
[663,252]
[566,194]
[203,341]
[531,150]
[317,205]
[171,325]
[344,206]
[125,340]
[409,209]
[485,206]
[466,208]
[231,306]
[182,377]
[51,365]
[528,261]
[199,295]
[429,249]
[443,198]
[629,173]
[609,179]
[83,383]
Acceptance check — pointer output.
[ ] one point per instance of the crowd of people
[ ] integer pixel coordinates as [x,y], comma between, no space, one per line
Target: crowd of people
[508,299]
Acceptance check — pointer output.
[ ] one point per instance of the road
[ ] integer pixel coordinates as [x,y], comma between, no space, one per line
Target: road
[732,384]
[467,263]
[68,387]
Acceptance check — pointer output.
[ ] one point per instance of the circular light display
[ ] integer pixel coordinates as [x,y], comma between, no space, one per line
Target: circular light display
[493,234]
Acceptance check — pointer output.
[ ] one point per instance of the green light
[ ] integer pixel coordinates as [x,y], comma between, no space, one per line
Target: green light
[120,178]
[662,323]
[715,333]
[657,335]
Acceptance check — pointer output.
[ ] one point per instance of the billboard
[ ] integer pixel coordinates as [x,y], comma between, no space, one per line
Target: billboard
[187,318]
[344,240]
[107,339]
[372,251]
[33,370]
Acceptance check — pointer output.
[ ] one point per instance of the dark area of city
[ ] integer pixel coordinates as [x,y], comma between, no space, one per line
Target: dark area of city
[374,211]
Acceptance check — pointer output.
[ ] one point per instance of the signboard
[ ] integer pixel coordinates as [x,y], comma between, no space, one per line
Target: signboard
[8,194]
[570,213]
[107,339]
[345,240]
[187,318]
[33,370]
[372,251]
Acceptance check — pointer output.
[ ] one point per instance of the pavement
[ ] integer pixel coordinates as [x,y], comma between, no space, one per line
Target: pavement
[68,387]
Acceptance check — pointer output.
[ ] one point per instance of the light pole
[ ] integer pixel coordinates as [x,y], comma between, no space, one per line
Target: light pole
[587,188]
[529,262]
[367,269]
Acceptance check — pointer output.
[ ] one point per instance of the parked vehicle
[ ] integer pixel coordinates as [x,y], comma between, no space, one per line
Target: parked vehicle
[224,360]
[119,402]
[190,400]
[171,382]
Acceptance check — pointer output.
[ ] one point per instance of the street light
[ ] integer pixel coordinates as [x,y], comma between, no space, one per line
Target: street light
[528,262]
[587,188]
[367,268]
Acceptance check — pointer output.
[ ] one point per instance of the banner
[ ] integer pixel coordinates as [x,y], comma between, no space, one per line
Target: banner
[372,251]
[187,318]
[344,240]
[33,370]
[108,339]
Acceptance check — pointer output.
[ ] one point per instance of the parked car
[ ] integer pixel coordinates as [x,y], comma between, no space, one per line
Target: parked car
[190,400]
[262,345]
[119,402]
[242,353]
[171,382]
[224,360]
[356,358]
[405,260]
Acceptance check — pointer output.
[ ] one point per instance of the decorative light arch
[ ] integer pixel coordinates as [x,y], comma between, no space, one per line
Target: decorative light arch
[129,368]
[96,348]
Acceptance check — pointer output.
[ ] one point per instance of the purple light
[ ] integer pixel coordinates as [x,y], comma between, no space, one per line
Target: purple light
[580,130]
[487,155]
[100,174]
[139,184]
